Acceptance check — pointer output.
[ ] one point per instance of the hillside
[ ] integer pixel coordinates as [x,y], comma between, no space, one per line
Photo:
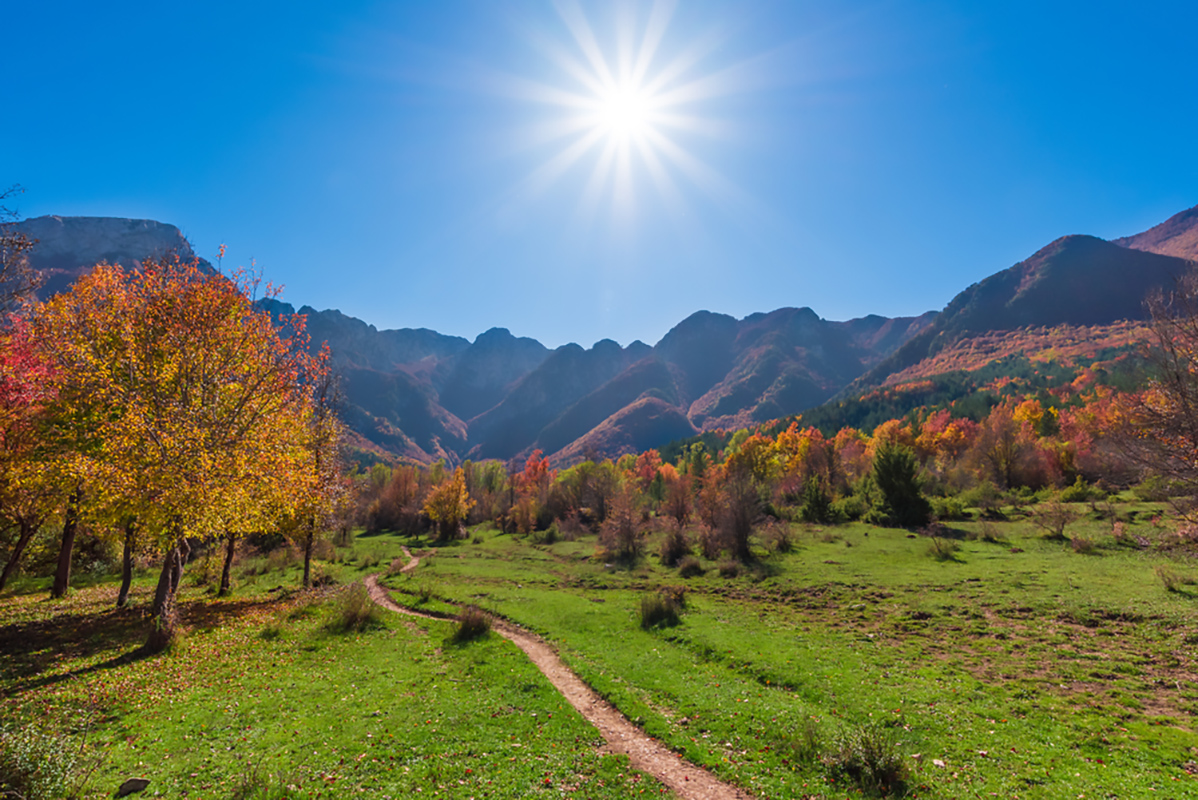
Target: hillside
[419,395]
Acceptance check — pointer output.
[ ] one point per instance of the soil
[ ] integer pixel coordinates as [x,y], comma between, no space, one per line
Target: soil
[646,753]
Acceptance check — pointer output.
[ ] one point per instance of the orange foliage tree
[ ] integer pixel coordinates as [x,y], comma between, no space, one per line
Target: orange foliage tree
[196,406]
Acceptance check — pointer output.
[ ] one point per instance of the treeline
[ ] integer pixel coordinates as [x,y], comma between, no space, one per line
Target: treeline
[155,410]
[714,491]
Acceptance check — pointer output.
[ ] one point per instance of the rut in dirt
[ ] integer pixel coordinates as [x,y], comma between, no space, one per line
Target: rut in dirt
[646,754]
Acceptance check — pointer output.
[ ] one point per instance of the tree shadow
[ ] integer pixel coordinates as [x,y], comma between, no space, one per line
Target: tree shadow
[33,648]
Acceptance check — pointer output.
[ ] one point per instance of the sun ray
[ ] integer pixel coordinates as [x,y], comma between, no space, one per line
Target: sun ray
[632,108]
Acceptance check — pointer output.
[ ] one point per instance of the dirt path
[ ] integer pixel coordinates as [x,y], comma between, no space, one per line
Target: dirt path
[646,754]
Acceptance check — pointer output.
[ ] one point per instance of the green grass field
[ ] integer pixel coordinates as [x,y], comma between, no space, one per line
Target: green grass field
[1009,668]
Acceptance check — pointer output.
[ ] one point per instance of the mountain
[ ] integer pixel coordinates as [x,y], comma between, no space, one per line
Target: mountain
[420,395]
[1177,236]
[67,247]
[1074,282]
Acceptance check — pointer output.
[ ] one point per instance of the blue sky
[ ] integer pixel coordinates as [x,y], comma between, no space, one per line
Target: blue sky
[451,165]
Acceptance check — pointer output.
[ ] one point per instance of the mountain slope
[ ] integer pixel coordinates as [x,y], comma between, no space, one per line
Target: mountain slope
[1075,281]
[1177,236]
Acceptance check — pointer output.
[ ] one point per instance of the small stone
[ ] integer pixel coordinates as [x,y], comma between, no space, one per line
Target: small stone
[132,786]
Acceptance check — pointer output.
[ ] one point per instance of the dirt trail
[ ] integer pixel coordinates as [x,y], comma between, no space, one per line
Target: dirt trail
[646,754]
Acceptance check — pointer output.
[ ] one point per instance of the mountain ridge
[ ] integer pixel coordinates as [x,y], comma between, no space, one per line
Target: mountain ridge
[420,395]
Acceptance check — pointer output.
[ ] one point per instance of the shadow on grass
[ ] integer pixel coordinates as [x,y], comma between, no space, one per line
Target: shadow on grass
[33,648]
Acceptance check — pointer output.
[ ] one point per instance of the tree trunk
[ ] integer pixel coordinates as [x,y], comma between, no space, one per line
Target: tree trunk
[62,577]
[164,615]
[226,584]
[127,563]
[308,542]
[28,528]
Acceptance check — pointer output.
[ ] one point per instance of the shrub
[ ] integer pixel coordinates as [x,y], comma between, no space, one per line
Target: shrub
[281,558]
[988,532]
[690,567]
[675,546]
[778,537]
[1083,546]
[1053,518]
[396,566]
[807,747]
[473,622]
[659,610]
[1170,578]
[943,549]
[38,765]
[869,757]
[1080,492]
[949,508]
[985,497]
[896,471]
[849,508]
[729,569]
[355,611]
[817,505]
[1153,488]
[711,543]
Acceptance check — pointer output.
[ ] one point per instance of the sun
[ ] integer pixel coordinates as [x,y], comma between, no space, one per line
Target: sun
[625,112]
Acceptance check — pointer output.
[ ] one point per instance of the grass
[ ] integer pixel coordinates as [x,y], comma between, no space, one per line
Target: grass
[387,712]
[1026,666]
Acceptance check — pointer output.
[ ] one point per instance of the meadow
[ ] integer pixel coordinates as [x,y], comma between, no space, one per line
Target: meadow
[987,661]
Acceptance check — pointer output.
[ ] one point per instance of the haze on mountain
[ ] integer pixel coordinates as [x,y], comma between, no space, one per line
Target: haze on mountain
[416,394]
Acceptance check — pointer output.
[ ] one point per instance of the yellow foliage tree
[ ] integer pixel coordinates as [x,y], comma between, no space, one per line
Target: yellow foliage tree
[448,504]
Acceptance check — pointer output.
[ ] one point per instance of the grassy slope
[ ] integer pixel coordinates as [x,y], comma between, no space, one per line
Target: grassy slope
[1040,673]
[261,692]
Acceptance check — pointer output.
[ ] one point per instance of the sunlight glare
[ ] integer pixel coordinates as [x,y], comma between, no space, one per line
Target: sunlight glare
[625,112]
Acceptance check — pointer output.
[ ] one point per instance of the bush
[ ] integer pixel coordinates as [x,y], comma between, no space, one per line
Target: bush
[949,508]
[729,569]
[1170,578]
[1053,518]
[1083,546]
[869,757]
[355,611]
[675,546]
[778,537]
[38,765]
[943,549]
[1081,492]
[473,622]
[660,609]
[1154,488]
[817,505]
[807,747]
[690,567]
[985,497]
[849,508]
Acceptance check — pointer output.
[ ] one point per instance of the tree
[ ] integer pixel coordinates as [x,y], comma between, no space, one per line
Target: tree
[197,405]
[18,280]
[448,504]
[28,491]
[896,473]
[1158,428]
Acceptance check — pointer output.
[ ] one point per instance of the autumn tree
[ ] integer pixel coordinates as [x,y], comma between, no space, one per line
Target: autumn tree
[202,405]
[448,504]
[1158,428]
[28,491]
[18,279]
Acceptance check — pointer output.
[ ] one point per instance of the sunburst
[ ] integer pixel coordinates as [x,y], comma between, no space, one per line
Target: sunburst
[626,110]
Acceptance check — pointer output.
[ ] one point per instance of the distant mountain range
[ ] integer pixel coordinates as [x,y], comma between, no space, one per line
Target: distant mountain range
[419,395]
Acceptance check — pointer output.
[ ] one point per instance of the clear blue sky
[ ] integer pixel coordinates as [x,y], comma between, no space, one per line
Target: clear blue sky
[425,164]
